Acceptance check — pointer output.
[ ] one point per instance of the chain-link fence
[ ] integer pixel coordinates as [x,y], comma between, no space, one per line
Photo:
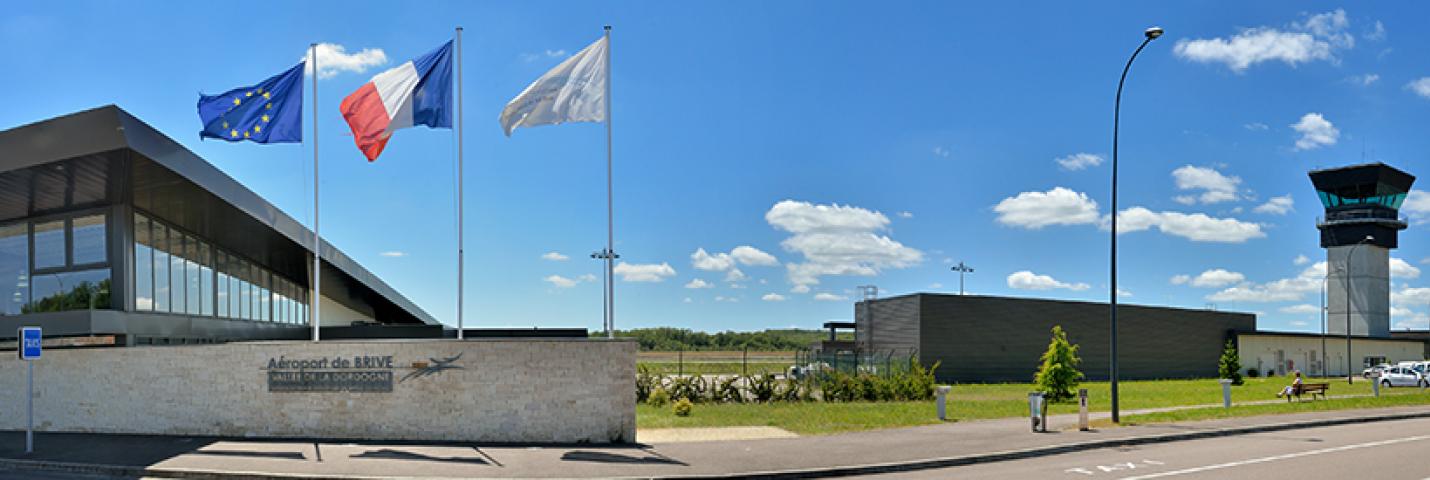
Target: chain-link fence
[879,362]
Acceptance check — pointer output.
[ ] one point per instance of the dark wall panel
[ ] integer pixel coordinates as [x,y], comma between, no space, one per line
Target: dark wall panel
[998,339]
[891,324]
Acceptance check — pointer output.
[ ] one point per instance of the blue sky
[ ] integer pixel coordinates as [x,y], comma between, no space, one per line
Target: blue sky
[810,146]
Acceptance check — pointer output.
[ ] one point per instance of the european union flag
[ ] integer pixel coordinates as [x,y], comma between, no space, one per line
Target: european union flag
[270,112]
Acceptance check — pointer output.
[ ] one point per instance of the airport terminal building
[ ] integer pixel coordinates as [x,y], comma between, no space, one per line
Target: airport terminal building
[113,233]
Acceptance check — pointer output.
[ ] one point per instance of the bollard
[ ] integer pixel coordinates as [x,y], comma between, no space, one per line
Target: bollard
[1082,409]
[1037,409]
[942,393]
[1375,383]
[1226,392]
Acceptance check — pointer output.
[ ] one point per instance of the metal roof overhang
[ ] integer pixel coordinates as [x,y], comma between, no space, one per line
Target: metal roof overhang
[80,143]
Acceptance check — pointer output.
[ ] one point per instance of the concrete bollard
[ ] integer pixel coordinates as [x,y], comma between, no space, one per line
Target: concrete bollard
[1082,409]
[942,395]
[1226,392]
[1375,383]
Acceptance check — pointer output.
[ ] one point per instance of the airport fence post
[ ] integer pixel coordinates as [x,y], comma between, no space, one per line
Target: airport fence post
[680,362]
[745,362]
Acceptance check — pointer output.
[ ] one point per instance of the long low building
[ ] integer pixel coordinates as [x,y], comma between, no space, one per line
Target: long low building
[978,338]
[110,229]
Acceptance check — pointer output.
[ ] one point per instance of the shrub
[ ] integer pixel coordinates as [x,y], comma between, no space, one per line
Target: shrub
[683,407]
[692,388]
[645,382]
[728,390]
[1058,377]
[762,387]
[658,397]
[1252,372]
[1229,367]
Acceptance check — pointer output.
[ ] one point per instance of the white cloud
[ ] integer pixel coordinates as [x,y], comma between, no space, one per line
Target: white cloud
[906,214]
[1217,278]
[1421,86]
[721,298]
[532,57]
[1035,210]
[554,256]
[1316,38]
[1315,132]
[1417,206]
[1400,268]
[1300,309]
[1283,290]
[935,286]
[1123,293]
[393,254]
[837,240]
[1215,187]
[650,272]
[1410,296]
[801,288]
[752,256]
[1197,227]
[1276,205]
[1364,80]
[1079,161]
[698,283]
[1180,279]
[1300,260]
[773,297]
[718,262]
[587,278]
[1026,280]
[1299,323]
[1256,126]
[334,59]
[735,275]
[1377,33]
[560,281]
[829,297]
[940,151]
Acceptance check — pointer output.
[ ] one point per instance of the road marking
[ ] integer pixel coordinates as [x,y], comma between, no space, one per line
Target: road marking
[1114,467]
[1279,457]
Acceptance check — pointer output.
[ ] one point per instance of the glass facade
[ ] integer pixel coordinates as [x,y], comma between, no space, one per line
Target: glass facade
[176,272]
[55,264]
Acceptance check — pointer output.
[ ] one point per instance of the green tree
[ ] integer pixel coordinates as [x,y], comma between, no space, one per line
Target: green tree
[1058,377]
[1230,364]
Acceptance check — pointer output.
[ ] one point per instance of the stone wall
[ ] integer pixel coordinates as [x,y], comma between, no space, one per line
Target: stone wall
[498,390]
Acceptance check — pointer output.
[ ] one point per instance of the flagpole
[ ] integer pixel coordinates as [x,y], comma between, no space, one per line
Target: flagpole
[610,211]
[460,251]
[317,239]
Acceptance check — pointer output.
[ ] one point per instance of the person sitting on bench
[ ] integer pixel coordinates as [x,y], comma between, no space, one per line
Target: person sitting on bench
[1292,387]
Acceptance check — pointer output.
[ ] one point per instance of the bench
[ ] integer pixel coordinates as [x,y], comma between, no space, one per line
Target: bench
[1311,389]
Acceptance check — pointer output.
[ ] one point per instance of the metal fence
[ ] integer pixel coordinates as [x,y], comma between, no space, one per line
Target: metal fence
[879,362]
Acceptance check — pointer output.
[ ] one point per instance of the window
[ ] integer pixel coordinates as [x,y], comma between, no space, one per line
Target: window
[161,268]
[221,266]
[81,290]
[89,240]
[50,245]
[192,276]
[179,295]
[143,265]
[206,280]
[14,268]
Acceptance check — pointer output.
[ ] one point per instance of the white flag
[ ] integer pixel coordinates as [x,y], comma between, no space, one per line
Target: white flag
[574,91]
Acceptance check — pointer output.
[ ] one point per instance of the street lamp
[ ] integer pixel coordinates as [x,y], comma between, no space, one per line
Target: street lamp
[1150,34]
[1350,372]
[961,269]
[606,256]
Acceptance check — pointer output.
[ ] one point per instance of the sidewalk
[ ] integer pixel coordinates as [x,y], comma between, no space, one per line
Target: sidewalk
[928,446]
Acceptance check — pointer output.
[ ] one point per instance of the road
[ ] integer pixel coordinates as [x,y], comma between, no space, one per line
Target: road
[1381,451]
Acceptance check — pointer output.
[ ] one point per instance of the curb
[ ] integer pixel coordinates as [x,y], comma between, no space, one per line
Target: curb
[839,471]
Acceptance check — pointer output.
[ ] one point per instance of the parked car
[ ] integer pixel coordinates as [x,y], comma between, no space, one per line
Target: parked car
[1376,369]
[1399,376]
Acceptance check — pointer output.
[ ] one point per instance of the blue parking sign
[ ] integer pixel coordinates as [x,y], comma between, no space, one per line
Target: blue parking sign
[30,343]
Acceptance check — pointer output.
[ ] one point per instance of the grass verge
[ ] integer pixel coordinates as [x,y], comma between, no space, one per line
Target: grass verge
[1387,399]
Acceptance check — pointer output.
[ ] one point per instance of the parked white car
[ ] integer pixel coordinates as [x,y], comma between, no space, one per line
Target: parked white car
[1401,376]
[1376,369]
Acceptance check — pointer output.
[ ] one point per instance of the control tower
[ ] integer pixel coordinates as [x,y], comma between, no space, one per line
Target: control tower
[1362,224]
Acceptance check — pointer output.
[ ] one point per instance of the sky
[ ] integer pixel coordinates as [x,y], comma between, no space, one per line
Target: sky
[771,157]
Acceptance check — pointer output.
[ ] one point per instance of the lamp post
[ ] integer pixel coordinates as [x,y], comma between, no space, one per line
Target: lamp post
[961,269]
[1150,34]
[1350,372]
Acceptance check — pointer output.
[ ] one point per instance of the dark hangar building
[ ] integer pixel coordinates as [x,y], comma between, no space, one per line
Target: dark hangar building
[113,232]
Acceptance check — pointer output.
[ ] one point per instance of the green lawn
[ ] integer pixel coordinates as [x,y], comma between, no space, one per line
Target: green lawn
[1396,398]
[969,402]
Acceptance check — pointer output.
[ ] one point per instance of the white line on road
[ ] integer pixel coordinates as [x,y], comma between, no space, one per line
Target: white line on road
[1279,457]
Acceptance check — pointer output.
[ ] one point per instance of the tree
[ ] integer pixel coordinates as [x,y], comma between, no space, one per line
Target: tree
[1230,365]
[1058,377]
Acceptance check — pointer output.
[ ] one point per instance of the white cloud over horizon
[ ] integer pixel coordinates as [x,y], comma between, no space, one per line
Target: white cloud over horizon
[1027,280]
[1214,187]
[1276,205]
[334,59]
[1035,210]
[837,240]
[1317,38]
[554,256]
[1079,161]
[1315,132]
[644,273]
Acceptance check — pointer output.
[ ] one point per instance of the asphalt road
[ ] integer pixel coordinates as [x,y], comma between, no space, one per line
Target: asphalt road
[1397,450]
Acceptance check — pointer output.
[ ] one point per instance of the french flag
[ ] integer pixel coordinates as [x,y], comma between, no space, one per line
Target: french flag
[418,92]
